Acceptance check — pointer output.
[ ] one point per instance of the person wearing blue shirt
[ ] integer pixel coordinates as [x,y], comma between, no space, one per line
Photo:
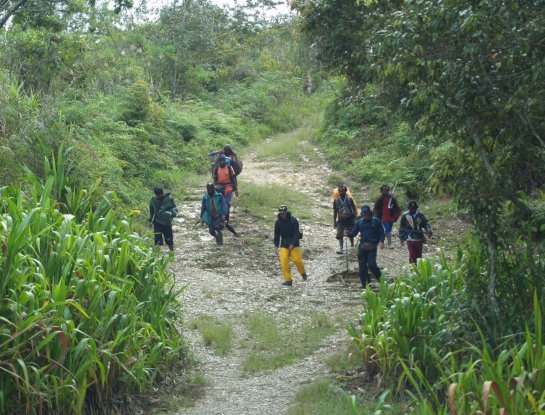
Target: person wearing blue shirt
[371,236]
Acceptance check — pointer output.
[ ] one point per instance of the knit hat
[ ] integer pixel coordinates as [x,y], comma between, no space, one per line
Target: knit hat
[157,190]
[365,209]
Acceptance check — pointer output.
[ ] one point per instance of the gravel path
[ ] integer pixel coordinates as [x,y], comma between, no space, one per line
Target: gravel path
[243,277]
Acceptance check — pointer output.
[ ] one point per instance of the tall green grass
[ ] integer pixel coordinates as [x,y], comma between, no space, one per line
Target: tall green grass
[421,334]
[87,307]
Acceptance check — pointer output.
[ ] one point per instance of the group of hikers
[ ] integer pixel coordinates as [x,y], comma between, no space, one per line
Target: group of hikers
[373,226]
[215,204]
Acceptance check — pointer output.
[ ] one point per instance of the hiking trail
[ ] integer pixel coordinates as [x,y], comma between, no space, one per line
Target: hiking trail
[244,277]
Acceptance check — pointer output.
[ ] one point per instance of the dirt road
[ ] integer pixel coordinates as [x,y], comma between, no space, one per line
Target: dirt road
[242,277]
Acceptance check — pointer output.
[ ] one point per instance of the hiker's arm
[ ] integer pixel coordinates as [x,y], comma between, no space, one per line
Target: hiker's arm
[354,231]
[234,182]
[334,215]
[403,229]
[150,212]
[380,234]
[295,234]
[203,209]
[173,209]
[276,235]
[223,204]
[426,225]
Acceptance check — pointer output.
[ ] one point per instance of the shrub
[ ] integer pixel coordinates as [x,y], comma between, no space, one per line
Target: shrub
[87,306]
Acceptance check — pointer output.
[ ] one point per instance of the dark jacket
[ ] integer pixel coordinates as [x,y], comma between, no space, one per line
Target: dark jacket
[221,207]
[286,232]
[414,227]
[395,210]
[162,210]
[370,230]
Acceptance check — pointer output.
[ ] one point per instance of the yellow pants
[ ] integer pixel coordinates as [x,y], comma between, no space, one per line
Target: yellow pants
[297,258]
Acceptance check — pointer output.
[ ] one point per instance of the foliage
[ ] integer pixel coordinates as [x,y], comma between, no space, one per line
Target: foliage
[371,144]
[508,380]
[87,307]
[420,328]
[469,73]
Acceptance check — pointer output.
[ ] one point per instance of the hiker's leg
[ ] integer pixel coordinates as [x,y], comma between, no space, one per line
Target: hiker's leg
[362,262]
[169,237]
[415,250]
[157,234]
[352,242]
[285,263]
[297,257]
[388,233]
[418,245]
[340,237]
[372,263]
[228,195]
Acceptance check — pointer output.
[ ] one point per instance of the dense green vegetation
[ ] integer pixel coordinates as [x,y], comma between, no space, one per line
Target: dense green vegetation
[446,98]
[88,309]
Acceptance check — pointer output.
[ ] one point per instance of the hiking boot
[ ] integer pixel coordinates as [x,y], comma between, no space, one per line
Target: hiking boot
[287,283]
[219,237]
[304,276]
[339,251]
[389,244]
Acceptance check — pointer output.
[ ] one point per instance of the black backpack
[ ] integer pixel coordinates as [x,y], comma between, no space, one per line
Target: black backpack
[344,210]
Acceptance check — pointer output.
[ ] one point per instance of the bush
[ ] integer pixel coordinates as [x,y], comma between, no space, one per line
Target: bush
[87,307]
[433,328]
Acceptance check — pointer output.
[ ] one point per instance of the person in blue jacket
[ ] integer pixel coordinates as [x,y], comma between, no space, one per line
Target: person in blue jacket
[371,236]
[214,212]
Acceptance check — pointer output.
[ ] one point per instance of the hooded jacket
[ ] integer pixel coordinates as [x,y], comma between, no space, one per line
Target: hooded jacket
[286,232]
[161,211]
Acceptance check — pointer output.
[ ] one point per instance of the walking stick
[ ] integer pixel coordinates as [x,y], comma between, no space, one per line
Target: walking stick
[390,202]
[346,254]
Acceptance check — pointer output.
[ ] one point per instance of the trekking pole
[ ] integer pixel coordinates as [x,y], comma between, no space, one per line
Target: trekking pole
[392,196]
[346,254]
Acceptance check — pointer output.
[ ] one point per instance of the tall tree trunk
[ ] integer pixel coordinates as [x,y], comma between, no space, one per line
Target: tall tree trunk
[493,252]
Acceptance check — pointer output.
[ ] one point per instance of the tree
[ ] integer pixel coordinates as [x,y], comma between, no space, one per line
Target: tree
[470,72]
[9,8]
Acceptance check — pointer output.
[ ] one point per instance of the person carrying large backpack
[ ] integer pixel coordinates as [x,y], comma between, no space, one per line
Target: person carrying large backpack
[387,210]
[225,181]
[344,215]
[233,159]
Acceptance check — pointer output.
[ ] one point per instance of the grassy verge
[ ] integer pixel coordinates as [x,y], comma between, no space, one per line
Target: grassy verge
[324,398]
[292,145]
[343,392]
[263,200]
[216,334]
[273,345]
[177,392]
